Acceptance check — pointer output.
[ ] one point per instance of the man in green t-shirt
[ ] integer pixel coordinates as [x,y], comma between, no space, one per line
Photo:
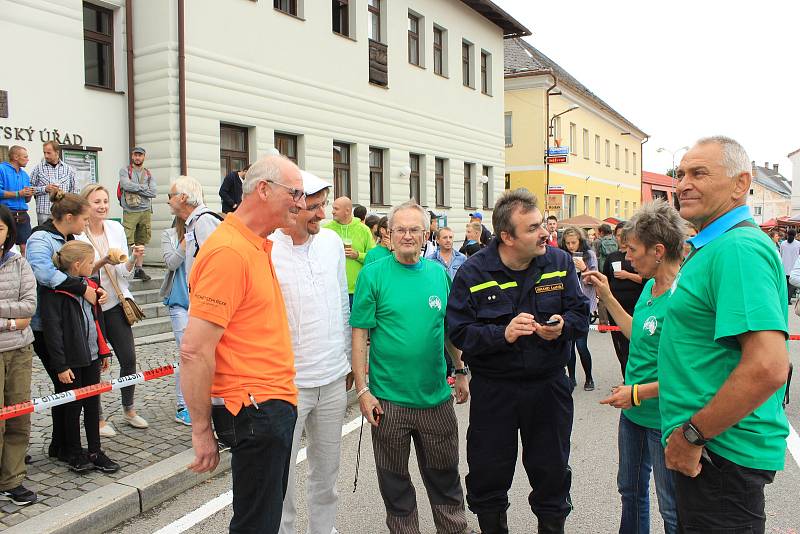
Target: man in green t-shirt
[723,359]
[401,300]
[356,237]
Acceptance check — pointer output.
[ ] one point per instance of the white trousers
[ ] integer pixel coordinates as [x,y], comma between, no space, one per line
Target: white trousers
[320,411]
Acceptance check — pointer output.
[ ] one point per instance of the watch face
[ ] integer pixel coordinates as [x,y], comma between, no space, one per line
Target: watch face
[692,436]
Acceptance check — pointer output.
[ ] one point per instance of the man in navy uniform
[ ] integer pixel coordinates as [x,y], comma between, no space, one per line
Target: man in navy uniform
[514,309]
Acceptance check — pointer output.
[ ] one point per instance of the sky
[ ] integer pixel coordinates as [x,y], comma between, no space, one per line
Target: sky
[682,70]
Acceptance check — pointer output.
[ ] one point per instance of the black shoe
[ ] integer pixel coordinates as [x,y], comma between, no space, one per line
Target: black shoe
[28,459]
[20,495]
[589,385]
[103,463]
[141,275]
[81,463]
[493,523]
[552,525]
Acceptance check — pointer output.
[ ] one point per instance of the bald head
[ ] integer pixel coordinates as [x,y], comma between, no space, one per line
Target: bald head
[342,210]
[273,169]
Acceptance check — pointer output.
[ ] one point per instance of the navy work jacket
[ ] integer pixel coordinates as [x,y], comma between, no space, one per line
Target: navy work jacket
[485,298]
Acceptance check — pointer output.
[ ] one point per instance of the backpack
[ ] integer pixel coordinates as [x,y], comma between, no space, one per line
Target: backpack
[216,216]
[130,177]
[605,246]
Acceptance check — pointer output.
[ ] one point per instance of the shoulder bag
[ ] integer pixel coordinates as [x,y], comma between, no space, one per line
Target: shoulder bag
[133,313]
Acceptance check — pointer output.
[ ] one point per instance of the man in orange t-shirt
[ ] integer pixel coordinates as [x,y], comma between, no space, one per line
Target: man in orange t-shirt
[237,366]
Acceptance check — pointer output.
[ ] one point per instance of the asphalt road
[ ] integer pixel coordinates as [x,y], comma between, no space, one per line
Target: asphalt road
[593,461]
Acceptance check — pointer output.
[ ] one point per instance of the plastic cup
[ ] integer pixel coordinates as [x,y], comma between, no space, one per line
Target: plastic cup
[347,242]
[617,265]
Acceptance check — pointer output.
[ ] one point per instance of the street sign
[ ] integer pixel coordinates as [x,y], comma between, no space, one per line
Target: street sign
[556,159]
[554,202]
[555,190]
[558,151]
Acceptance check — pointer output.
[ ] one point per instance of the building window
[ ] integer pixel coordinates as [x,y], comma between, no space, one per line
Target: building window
[376,176]
[585,143]
[468,185]
[466,64]
[627,161]
[608,207]
[634,207]
[573,139]
[597,207]
[635,167]
[586,205]
[341,17]
[597,149]
[287,6]
[439,162]
[508,125]
[487,172]
[413,39]
[439,51]
[627,207]
[374,20]
[608,153]
[557,129]
[341,170]
[287,145]
[616,157]
[486,73]
[98,46]
[4,152]
[413,178]
[233,153]
[756,210]
[616,208]
[507,184]
[658,194]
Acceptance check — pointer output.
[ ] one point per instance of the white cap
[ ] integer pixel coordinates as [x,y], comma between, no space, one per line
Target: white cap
[313,184]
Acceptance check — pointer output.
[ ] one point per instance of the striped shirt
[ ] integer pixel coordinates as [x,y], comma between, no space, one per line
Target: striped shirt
[45,174]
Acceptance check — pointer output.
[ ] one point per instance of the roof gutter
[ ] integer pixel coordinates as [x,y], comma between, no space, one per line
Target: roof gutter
[547,136]
[182,84]
[129,67]
[641,171]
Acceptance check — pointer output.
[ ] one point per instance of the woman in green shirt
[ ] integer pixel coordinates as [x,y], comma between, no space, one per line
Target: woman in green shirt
[654,237]
[383,247]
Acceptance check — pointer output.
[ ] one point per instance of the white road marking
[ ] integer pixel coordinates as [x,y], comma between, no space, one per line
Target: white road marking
[793,443]
[216,504]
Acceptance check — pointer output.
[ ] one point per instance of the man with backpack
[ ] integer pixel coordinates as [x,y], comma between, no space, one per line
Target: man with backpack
[186,201]
[135,192]
[604,245]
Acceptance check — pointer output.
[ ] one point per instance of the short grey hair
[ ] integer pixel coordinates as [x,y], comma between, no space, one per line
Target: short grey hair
[410,205]
[267,168]
[734,156]
[186,185]
[505,206]
[658,223]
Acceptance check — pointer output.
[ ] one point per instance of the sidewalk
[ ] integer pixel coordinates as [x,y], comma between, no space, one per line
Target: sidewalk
[133,449]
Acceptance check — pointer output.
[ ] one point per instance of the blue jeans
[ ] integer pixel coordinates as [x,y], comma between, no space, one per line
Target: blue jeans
[260,438]
[640,451]
[180,318]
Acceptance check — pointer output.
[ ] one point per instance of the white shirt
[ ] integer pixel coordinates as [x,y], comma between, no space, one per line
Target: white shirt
[115,237]
[314,286]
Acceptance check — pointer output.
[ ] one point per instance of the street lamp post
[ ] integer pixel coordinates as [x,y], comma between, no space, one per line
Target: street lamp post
[551,133]
[674,153]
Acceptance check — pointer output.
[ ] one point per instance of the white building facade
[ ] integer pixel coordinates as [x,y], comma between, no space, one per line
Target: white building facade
[794,158]
[387,99]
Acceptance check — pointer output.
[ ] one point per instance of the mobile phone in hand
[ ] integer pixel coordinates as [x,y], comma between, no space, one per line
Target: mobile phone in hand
[551,322]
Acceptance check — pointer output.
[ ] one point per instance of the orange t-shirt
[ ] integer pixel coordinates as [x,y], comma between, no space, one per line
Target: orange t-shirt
[233,285]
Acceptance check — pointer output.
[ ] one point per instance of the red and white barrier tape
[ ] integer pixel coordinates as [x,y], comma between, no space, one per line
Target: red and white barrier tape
[609,328]
[57,399]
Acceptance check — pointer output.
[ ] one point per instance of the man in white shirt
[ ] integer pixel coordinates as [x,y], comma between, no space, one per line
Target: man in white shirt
[310,265]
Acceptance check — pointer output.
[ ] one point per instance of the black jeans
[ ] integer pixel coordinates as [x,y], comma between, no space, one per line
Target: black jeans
[56,412]
[120,336]
[582,346]
[84,376]
[621,347]
[260,439]
[502,411]
[725,498]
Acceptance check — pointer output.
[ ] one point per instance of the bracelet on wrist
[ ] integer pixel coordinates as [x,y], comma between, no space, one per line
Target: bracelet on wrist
[635,392]
[362,391]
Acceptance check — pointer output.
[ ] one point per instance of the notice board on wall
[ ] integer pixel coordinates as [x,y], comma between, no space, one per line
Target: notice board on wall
[85,164]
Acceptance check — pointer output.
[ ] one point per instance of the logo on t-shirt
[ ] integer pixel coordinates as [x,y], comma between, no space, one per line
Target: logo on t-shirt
[435,302]
[650,325]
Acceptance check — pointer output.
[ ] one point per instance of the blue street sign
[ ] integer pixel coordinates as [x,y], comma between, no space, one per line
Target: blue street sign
[558,151]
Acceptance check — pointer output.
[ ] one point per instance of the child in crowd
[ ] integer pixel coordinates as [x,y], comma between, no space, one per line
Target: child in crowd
[78,352]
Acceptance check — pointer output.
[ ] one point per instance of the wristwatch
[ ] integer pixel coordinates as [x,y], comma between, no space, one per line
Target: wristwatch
[693,435]
[12,324]
[462,371]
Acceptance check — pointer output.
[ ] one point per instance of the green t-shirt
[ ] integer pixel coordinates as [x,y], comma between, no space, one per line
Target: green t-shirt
[361,240]
[732,285]
[404,309]
[377,253]
[642,367]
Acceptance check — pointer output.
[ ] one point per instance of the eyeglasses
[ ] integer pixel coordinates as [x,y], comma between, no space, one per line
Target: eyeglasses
[297,194]
[404,231]
[318,205]
[171,195]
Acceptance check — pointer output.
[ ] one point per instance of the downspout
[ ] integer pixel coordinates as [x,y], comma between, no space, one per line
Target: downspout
[182,85]
[641,171]
[547,138]
[129,67]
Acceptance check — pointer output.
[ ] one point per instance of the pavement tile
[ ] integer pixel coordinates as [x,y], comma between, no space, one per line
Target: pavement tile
[133,448]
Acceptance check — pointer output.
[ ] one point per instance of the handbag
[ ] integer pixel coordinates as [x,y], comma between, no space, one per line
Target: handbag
[133,313]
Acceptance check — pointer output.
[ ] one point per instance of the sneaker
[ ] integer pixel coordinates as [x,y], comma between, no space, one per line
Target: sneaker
[81,463]
[182,416]
[107,431]
[589,385]
[103,463]
[141,275]
[136,421]
[21,496]
[451,381]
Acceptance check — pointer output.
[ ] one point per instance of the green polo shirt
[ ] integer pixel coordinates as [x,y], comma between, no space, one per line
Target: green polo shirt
[642,366]
[734,284]
[404,308]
